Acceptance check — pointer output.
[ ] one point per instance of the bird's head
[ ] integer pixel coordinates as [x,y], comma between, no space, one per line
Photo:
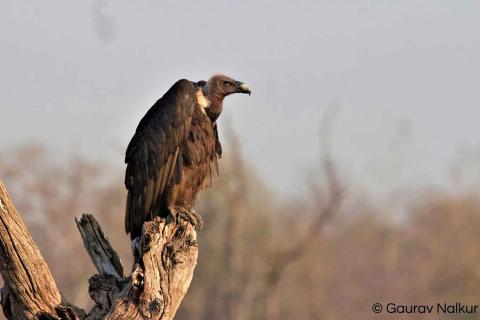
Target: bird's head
[222,86]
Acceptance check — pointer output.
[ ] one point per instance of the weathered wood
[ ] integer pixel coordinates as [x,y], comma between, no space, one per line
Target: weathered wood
[29,286]
[105,286]
[104,290]
[159,282]
[103,256]
[154,290]
[160,279]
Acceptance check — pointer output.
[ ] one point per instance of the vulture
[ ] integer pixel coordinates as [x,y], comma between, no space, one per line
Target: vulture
[174,152]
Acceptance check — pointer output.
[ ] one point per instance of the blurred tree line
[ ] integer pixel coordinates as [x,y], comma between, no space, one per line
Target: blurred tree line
[274,258]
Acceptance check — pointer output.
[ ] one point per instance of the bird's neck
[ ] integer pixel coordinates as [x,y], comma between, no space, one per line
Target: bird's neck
[215,105]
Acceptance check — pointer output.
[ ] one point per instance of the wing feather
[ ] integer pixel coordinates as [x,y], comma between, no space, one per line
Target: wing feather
[152,153]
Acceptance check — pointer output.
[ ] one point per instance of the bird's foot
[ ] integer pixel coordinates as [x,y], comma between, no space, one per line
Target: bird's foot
[190,216]
[172,214]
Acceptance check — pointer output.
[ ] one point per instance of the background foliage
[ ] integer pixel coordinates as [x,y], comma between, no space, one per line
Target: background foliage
[366,253]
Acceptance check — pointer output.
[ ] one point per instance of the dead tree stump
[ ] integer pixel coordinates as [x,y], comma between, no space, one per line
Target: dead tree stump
[154,290]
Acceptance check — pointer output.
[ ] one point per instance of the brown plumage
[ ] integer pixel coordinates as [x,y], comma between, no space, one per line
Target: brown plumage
[175,150]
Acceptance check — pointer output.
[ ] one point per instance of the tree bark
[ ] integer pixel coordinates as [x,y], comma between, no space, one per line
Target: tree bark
[29,290]
[166,256]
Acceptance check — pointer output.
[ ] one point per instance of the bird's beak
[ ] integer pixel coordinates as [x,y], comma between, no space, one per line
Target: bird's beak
[243,88]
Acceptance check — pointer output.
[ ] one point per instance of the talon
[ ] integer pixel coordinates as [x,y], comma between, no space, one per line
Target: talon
[199,223]
[192,217]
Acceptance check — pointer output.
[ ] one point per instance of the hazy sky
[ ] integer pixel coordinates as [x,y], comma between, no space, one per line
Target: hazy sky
[78,75]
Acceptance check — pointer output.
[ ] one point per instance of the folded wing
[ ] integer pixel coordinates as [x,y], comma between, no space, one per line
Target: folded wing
[152,153]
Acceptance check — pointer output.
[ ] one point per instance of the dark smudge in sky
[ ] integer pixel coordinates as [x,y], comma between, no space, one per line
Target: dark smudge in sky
[104,26]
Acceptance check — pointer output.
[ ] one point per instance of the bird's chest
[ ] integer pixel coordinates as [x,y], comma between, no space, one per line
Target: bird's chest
[199,158]
[200,143]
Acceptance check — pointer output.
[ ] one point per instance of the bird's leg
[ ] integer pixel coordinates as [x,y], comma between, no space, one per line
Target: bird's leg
[172,214]
[190,215]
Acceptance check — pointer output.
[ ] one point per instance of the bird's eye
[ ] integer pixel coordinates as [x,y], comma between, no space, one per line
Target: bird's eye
[226,83]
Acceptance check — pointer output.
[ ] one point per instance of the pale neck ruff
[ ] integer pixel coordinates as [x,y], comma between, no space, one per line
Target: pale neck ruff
[202,101]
